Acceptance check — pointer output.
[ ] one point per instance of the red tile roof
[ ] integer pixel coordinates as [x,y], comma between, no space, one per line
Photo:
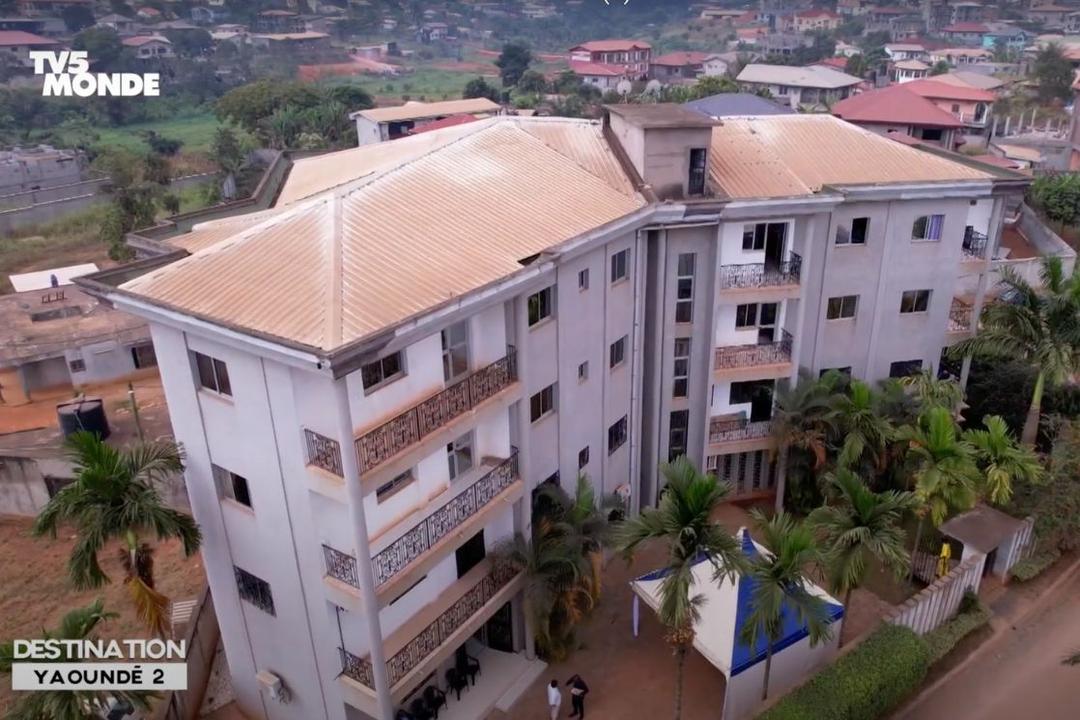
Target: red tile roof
[838,63]
[612,45]
[681,58]
[10,38]
[894,104]
[930,88]
[965,27]
[816,13]
[588,68]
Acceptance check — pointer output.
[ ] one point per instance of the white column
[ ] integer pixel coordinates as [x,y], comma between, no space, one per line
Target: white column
[358,525]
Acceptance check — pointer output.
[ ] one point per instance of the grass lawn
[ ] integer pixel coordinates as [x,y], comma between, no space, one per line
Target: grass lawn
[36,592]
[195,131]
[427,83]
[69,241]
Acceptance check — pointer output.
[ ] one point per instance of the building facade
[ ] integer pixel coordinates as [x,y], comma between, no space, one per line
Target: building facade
[359,447]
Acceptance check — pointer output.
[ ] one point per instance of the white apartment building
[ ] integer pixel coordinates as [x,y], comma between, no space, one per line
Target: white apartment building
[370,378]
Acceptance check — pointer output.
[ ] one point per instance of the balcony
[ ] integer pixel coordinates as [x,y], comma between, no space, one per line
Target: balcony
[748,361]
[764,275]
[961,316]
[375,447]
[974,248]
[738,433]
[464,509]
[415,649]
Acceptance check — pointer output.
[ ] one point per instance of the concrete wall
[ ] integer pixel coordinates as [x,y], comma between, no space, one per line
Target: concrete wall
[938,602]
[790,667]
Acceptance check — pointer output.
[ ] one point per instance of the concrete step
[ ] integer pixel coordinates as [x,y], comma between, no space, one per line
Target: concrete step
[520,686]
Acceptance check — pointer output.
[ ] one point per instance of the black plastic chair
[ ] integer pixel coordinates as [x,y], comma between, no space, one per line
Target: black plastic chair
[435,698]
[420,710]
[467,665]
[456,682]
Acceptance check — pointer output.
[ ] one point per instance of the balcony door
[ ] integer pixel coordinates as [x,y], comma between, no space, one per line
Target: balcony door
[455,352]
[767,314]
[470,554]
[774,245]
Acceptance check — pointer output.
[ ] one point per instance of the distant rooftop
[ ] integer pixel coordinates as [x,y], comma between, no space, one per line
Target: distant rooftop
[612,45]
[733,104]
[14,38]
[894,104]
[812,77]
[660,115]
[421,110]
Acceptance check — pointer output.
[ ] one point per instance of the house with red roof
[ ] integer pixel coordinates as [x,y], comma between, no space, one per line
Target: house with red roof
[15,46]
[969,32]
[149,47]
[895,109]
[601,75]
[681,65]
[817,19]
[634,55]
[836,63]
[968,104]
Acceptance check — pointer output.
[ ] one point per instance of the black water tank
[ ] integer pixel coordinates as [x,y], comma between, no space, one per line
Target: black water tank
[87,414]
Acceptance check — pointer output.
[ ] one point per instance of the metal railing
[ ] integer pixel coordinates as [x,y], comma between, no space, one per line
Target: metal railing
[375,447]
[974,244]
[765,274]
[432,637]
[322,452]
[736,356]
[401,553]
[960,317]
[738,429]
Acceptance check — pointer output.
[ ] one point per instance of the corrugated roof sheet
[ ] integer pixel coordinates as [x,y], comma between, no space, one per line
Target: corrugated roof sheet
[210,232]
[420,110]
[894,104]
[406,238]
[789,155]
[815,77]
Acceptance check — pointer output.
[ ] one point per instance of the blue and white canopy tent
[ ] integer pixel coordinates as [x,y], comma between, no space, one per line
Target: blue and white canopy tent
[724,613]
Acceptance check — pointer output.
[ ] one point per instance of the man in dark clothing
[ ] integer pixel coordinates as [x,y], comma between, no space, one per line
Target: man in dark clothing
[578,691]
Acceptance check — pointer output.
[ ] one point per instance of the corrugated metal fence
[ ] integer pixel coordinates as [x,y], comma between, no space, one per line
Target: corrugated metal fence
[940,600]
[202,638]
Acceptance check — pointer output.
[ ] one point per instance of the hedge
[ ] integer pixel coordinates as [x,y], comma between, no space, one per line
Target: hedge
[1031,567]
[946,637]
[864,684]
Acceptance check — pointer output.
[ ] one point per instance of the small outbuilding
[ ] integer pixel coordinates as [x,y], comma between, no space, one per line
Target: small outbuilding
[1002,538]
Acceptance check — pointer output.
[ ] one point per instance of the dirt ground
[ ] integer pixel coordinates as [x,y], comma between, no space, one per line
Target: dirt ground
[35,591]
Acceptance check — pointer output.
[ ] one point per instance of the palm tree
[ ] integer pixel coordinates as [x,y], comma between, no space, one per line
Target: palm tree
[931,391]
[864,428]
[803,419]
[682,522]
[1001,461]
[114,497]
[944,471]
[1041,328]
[64,704]
[779,581]
[557,596]
[858,525]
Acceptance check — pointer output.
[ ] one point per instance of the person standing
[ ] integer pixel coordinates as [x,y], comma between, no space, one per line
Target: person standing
[554,699]
[578,691]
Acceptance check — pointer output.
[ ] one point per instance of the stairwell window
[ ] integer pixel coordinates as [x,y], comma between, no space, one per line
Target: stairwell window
[927,227]
[856,234]
[680,385]
[255,590]
[616,435]
[684,288]
[231,486]
[914,301]
[213,375]
[542,403]
[677,432]
[382,372]
[617,353]
[620,266]
[842,307]
[541,305]
[698,164]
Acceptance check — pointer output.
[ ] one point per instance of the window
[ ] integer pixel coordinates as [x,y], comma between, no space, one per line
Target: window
[583,457]
[746,315]
[753,237]
[255,590]
[541,305]
[620,263]
[698,163]
[846,370]
[455,351]
[927,227]
[616,435]
[742,392]
[460,455]
[860,227]
[77,365]
[914,301]
[583,371]
[142,356]
[680,386]
[618,352]
[583,279]
[684,288]
[376,374]
[677,431]
[232,486]
[213,374]
[542,403]
[905,368]
[388,490]
[841,307]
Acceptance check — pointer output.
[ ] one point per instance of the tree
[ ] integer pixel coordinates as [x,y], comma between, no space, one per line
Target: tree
[532,82]
[940,68]
[943,468]
[1001,461]
[229,154]
[1053,72]
[803,420]
[932,391]
[864,428]
[513,62]
[250,105]
[114,497]
[1055,500]
[682,523]
[76,17]
[352,97]
[102,46]
[191,43]
[1058,197]
[163,145]
[860,524]
[480,88]
[78,624]
[779,585]
[1040,328]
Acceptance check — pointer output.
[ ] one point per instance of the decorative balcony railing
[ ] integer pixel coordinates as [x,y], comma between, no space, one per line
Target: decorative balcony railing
[737,356]
[734,430]
[323,452]
[766,274]
[397,556]
[432,637]
[974,245]
[375,447]
[960,317]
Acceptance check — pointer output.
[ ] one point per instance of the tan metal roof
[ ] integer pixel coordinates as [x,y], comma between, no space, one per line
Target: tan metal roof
[419,110]
[789,155]
[352,261]
[210,232]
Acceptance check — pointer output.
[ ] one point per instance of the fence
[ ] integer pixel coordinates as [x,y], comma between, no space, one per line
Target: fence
[1022,547]
[202,636]
[939,601]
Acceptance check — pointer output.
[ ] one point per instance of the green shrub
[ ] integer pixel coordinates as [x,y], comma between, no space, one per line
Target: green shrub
[972,616]
[1029,568]
[865,684]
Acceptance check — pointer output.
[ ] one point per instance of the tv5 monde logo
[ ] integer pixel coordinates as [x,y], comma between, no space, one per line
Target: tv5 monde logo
[67,74]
